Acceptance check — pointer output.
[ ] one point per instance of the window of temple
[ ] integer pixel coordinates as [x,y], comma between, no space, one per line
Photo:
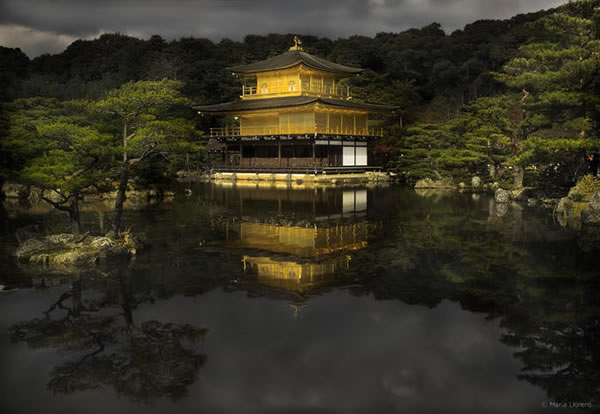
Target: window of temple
[317,85]
[266,151]
[292,86]
[321,151]
[304,151]
[361,156]
[287,151]
[248,152]
[305,83]
[327,83]
[264,88]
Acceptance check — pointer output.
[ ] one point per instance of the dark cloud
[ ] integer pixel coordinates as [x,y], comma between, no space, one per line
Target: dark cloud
[51,19]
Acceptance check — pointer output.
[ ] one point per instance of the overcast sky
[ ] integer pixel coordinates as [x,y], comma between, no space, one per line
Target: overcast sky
[49,26]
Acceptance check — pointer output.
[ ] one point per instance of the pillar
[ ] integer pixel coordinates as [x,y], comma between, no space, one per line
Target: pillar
[279,152]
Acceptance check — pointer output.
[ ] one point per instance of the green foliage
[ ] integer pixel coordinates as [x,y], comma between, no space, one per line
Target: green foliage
[436,150]
[556,71]
[455,66]
[68,146]
[51,145]
[147,120]
[54,148]
[585,188]
[74,157]
[383,89]
[133,100]
[488,126]
[556,74]
[548,118]
[71,146]
[494,85]
[13,68]
[540,150]
[480,136]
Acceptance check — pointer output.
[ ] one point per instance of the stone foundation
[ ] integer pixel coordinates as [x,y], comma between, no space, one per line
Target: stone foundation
[285,179]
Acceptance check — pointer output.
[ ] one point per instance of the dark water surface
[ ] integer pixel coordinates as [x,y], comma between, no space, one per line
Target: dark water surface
[257,299]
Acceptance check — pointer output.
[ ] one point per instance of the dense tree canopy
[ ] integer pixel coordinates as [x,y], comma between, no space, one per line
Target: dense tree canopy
[544,115]
[57,149]
[143,114]
[72,147]
[520,93]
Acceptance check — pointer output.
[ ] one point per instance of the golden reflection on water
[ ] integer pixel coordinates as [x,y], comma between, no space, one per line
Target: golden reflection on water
[293,275]
[306,242]
[300,254]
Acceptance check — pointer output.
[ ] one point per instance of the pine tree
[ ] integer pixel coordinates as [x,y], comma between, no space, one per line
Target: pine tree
[556,76]
[57,150]
[142,113]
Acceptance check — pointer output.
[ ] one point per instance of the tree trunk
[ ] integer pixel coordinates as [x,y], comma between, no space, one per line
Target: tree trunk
[121,196]
[74,214]
[76,295]
[518,174]
[125,299]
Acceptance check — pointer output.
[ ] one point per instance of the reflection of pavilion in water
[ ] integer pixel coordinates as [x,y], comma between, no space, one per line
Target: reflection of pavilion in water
[299,239]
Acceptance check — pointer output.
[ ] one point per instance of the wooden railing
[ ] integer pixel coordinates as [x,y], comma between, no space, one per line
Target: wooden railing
[293,130]
[322,90]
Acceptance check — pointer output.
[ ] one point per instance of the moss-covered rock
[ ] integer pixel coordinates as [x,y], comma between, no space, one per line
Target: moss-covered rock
[585,189]
[501,196]
[595,201]
[19,191]
[590,216]
[562,205]
[582,205]
[67,250]
[428,183]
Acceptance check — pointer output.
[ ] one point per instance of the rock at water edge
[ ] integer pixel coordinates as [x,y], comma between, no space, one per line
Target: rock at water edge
[501,196]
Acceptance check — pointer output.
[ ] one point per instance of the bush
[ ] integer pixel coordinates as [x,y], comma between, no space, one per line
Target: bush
[585,188]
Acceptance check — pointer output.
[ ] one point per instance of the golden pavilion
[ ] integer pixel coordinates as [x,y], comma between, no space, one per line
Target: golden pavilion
[295,115]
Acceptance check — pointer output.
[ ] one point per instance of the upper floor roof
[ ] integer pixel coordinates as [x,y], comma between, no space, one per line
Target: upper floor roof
[291,58]
[290,101]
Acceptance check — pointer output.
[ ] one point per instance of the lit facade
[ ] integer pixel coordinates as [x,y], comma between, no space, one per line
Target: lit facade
[295,114]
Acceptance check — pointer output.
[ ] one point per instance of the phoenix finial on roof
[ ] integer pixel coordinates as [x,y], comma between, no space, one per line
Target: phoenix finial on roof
[297,43]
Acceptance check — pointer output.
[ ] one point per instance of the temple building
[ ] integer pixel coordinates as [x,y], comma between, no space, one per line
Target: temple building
[295,115]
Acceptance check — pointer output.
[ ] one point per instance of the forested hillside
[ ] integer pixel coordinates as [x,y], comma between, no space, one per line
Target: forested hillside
[416,67]
[515,93]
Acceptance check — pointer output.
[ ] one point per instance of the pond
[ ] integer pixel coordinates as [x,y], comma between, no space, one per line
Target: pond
[255,298]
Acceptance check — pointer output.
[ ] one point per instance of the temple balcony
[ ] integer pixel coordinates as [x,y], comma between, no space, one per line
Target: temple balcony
[327,91]
[300,129]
